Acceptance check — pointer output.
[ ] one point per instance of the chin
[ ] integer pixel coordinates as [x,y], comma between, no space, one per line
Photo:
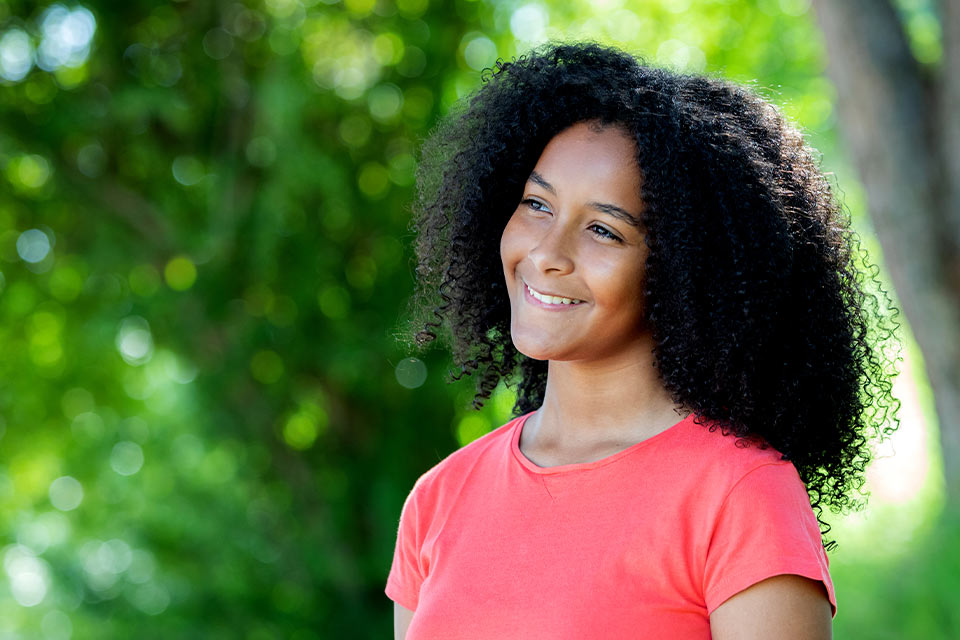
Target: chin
[538,351]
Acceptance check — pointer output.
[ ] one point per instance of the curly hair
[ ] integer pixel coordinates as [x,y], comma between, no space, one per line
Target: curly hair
[764,322]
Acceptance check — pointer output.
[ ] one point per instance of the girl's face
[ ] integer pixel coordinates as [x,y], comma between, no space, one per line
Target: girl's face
[573,252]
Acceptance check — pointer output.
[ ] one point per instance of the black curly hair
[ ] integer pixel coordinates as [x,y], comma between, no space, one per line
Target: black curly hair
[764,323]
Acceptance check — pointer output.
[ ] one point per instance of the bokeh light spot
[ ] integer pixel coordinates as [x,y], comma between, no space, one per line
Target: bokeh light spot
[412,8]
[480,52]
[16,55]
[218,466]
[91,160]
[302,428]
[411,373]
[150,598]
[388,48]
[359,8]
[529,23]
[66,493]
[413,63]
[134,341]
[385,102]
[142,566]
[355,130]
[266,366]
[926,35]
[177,368]
[56,625]
[66,283]
[66,37]
[75,401]
[87,426]
[299,432]
[187,170]
[106,560]
[217,43]
[71,77]
[334,301]
[44,329]
[180,273]
[29,575]
[126,458]
[282,8]
[373,180]
[680,56]
[32,171]
[40,89]
[33,245]
[33,535]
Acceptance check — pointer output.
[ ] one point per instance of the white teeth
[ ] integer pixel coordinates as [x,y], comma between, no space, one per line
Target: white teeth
[551,299]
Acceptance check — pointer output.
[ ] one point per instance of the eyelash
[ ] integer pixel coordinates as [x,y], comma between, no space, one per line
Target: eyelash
[606,233]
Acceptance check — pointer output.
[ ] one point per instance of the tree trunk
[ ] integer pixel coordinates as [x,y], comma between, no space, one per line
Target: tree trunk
[901,123]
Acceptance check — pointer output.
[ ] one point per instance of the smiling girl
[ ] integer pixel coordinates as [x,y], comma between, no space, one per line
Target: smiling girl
[658,266]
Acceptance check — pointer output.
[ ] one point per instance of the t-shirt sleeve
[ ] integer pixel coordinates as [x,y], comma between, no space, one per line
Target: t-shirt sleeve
[406,575]
[766,527]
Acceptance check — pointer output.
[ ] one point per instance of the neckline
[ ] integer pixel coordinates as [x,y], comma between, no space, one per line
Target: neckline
[586,466]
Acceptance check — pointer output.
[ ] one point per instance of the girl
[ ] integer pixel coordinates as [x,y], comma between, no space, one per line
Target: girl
[658,265]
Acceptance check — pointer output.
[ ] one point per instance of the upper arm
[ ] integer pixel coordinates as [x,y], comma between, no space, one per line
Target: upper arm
[401,621]
[787,607]
[764,528]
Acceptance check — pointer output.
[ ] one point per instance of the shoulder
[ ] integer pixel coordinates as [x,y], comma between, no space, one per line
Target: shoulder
[459,464]
[716,473]
[727,459]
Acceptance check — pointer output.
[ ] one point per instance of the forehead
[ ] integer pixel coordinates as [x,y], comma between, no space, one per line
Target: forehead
[588,159]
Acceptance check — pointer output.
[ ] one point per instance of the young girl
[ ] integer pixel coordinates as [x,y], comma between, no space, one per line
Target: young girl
[657,263]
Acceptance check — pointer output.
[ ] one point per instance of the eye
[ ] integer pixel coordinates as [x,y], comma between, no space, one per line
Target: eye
[536,205]
[603,232]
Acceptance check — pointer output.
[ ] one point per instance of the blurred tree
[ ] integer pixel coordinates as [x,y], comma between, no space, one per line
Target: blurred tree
[897,73]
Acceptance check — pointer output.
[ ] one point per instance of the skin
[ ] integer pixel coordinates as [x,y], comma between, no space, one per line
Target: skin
[401,621]
[603,393]
[575,234]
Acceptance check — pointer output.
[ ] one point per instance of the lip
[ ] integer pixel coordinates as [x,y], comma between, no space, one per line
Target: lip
[543,305]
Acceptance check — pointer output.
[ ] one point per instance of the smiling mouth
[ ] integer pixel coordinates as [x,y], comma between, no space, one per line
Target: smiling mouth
[555,301]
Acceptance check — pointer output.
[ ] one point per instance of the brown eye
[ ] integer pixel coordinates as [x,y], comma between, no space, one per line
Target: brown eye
[536,205]
[603,232]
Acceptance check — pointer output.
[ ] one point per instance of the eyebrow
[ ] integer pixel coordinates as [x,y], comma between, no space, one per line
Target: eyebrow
[610,209]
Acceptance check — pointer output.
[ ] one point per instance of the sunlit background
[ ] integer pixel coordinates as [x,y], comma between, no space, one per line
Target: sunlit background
[207,423]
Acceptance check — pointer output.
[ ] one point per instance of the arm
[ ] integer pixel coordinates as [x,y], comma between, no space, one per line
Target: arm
[787,607]
[401,621]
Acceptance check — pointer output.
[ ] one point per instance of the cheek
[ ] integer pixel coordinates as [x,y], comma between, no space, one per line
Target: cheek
[618,285]
[510,243]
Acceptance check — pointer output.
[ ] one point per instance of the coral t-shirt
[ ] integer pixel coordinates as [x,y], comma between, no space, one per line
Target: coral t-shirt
[644,543]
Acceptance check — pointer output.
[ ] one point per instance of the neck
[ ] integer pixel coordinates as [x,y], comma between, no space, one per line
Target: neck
[615,399]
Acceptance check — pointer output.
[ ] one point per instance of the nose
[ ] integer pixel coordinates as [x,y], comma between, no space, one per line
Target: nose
[553,252]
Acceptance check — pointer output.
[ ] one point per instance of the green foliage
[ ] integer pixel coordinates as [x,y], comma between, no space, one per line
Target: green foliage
[911,598]
[208,425]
